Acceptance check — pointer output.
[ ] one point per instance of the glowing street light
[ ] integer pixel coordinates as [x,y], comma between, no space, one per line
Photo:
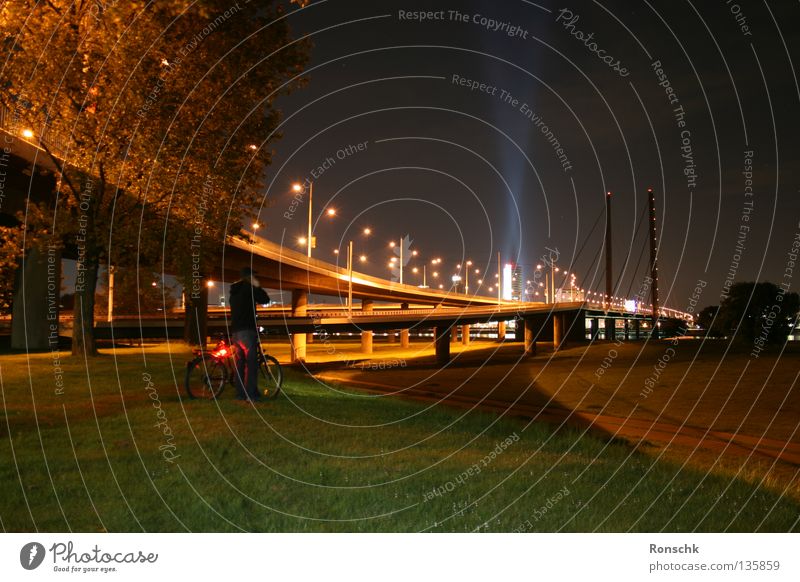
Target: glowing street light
[27,133]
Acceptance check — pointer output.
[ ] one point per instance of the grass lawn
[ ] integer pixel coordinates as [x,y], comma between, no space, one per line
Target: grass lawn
[96,458]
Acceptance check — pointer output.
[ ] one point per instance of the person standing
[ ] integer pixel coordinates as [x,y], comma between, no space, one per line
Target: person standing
[244,295]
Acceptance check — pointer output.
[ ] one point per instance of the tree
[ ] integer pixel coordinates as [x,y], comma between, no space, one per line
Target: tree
[138,104]
[758,310]
[135,293]
[706,319]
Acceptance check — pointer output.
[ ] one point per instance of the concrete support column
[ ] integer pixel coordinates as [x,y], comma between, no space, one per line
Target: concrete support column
[442,335]
[627,328]
[391,336]
[465,335]
[454,334]
[530,337]
[37,291]
[595,329]
[405,340]
[299,309]
[366,336]
[558,330]
[637,325]
[501,330]
[610,329]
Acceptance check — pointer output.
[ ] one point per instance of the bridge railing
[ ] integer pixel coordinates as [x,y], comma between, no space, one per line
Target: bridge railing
[56,143]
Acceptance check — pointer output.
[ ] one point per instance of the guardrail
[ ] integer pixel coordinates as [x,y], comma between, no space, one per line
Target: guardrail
[56,143]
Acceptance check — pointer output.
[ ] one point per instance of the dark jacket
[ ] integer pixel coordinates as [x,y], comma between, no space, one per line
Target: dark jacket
[243,299]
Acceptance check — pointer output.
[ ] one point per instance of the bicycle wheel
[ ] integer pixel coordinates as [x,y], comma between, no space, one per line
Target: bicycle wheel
[270,376]
[205,377]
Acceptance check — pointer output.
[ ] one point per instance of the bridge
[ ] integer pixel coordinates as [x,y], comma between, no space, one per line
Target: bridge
[444,312]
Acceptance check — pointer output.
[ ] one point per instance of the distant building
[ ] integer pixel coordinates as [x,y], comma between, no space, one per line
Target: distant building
[517,286]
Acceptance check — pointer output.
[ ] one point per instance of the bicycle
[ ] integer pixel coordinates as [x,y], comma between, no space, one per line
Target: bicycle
[210,370]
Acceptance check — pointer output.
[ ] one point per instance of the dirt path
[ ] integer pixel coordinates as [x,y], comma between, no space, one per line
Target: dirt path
[709,402]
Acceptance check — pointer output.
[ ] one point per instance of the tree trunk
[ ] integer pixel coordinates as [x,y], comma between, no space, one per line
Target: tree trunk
[195,322]
[83,343]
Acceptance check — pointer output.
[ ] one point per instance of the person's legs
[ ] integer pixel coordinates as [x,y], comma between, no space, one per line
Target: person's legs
[239,340]
[251,376]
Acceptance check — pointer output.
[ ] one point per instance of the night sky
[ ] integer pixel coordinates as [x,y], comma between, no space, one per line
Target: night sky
[470,172]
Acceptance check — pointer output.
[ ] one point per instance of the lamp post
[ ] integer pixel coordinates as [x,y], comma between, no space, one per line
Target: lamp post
[362,258]
[391,246]
[350,278]
[297,188]
[499,280]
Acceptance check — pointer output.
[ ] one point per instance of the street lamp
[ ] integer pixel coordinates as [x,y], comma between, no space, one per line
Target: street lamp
[392,244]
[363,259]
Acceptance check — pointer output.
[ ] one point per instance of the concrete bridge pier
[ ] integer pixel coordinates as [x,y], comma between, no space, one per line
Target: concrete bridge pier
[454,333]
[391,336]
[610,328]
[37,291]
[501,331]
[465,334]
[558,330]
[299,309]
[595,329]
[627,329]
[530,336]
[442,335]
[366,336]
[637,324]
[405,341]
